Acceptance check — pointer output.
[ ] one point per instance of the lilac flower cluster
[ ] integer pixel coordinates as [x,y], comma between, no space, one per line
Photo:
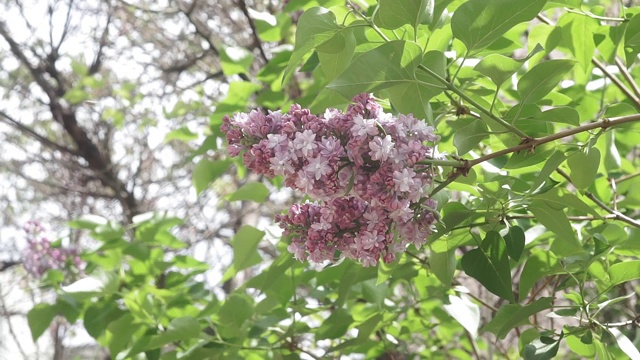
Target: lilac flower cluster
[362,167]
[40,256]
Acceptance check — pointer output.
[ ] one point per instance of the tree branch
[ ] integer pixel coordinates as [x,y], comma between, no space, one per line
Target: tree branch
[464,166]
[618,215]
[634,99]
[65,115]
[32,133]
[254,32]
[627,76]
[104,37]
[533,143]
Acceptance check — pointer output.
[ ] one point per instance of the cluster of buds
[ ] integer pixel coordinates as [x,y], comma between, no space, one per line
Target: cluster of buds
[367,171]
[40,256]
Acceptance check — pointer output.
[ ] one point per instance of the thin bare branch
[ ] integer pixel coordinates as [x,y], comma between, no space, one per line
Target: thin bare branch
[618,215]
[627,76]
[634,99]
[32,133]
[254,32]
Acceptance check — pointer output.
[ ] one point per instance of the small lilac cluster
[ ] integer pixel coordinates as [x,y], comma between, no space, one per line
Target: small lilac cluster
[362,167]
[40,256]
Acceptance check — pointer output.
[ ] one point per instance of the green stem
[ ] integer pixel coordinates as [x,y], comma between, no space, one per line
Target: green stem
[437,162]
[469,100]
[597,17]
[453,88]
[464,58]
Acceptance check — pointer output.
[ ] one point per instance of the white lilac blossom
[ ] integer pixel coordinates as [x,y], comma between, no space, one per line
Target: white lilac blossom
[362,168]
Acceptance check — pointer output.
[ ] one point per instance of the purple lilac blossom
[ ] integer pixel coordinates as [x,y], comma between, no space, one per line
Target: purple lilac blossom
[40,256]
[362,169]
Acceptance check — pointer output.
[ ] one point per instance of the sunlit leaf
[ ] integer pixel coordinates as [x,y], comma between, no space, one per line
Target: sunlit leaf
[206,171]
[624,271]
[465,312]
[253,191]
[478,23]
[392,14]
[542,78]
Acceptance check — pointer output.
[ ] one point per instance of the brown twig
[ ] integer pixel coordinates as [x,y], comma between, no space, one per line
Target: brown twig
[254,32]
[532,144]
[625,73]
[627,177]
[618,215]
[634,99]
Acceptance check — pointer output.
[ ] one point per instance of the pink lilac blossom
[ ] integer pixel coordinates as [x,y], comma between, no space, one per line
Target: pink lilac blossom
[40,256]
[361,167]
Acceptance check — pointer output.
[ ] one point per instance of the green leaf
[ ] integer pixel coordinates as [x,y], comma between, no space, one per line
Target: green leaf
[612,159]
[586,350]
[562,114]
[489,264]
[374,293]
[549,167]
[464,312]
[584,167]
[403,96]
[393,14]
[206,171]
[624,271]
[529,158]
[540,264]
[454,213]
[76,96]
[234,313]
[469,136]
[565,243]
[627,346]
[513,315]
[119,333]
[39,319]
[577,35]
[335,326]
[236,100]
[478,23]
[84,288]
[393,62]
[443,265]
[515,242]
[180,329]
[632,40]
[79,68]
[602,352]
[338,54]
[253,191]
[98,316]
[235,60]
[498,68]
[245,254]
[539,350]
[315,26]
[541,79]
[384,271]
[87,222]
[619,299]
[182,134]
